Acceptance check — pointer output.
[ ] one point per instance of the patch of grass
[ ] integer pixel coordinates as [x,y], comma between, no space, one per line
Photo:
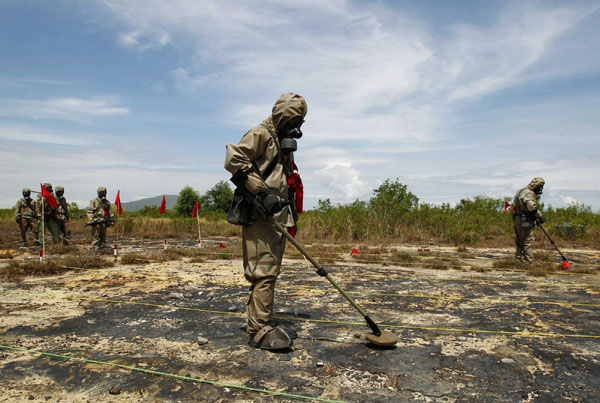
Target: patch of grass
[86,261]
[401,257]
[480,269]
[394,381]
[437,264]
[508,263]
[223,255]
[542,256]
[16,271]
[541,269]
[62,249]
[197,259]
[368,258]
[461,249]
[6,255]
[134,258]
[330,369]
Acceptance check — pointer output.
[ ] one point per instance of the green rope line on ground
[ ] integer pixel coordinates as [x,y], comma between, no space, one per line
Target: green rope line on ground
[167,374]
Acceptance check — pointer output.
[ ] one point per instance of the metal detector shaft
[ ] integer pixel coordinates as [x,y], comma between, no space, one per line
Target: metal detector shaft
[322,272]
[552,242]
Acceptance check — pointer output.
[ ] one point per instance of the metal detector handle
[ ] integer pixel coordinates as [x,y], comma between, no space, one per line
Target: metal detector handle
[323,273]
[552,242]
[320,270]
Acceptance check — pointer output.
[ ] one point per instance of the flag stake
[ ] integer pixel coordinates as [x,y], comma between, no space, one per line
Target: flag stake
[43,233]
[199,234]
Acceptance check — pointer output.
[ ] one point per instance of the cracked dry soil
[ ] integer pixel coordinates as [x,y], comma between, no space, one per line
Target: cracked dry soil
[464,334]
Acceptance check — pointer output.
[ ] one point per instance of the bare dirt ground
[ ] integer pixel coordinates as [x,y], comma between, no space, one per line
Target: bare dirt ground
[468,332]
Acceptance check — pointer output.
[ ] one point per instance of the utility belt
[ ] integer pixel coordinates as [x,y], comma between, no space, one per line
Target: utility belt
[527,219]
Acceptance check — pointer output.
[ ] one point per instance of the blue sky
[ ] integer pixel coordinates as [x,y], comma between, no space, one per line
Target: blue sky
[455,99]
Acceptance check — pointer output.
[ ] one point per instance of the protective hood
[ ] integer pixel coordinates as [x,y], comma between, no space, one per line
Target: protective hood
[288,106]
[536,183]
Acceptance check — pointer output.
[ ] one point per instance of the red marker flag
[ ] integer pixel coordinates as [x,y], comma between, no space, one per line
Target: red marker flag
[118,203]
[506,206]
[354,251]
[565,264]
[51,200]
[221,246]
[195,210]
[163,206]
[295,182]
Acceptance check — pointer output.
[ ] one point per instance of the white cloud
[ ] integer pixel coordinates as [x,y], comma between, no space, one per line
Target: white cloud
[368,72]
[64,108]
[342,178]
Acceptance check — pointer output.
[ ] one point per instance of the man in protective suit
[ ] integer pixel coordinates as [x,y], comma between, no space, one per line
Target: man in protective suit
[62,214]
[26,217]
[100,218]
[50,220]
[525,216]
[261,164]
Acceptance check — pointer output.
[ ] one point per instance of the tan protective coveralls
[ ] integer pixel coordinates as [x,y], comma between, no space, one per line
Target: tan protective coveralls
[26,217]
[524,224]
[62,214]
[98,210]
[263,246]
[50,220]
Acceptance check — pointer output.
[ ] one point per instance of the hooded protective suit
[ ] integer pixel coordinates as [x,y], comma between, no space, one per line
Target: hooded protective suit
[100,217]
[62,214]
[50,221]
[25,216]
[525,216]
[258,158]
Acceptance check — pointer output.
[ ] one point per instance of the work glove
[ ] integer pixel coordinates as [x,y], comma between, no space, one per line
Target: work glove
[270,201]
[541,220]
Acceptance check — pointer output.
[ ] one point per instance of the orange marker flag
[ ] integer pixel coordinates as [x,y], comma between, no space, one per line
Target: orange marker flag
[354,251]
[118,203]
[565,264]
[51,200]
[163,206]
[195,210]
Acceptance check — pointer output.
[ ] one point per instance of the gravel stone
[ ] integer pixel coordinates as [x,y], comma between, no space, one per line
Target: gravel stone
[115,390]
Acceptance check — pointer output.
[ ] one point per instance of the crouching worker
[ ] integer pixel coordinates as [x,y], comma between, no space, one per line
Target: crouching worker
[100,217]
[261,165]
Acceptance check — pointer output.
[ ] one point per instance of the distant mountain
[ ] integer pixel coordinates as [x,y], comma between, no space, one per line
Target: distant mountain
[150,201]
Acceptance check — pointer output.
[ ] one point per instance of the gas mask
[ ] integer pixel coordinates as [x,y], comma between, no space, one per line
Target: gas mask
[27,194]
[289,134]
[538,192]
[59,193]
[102,194]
